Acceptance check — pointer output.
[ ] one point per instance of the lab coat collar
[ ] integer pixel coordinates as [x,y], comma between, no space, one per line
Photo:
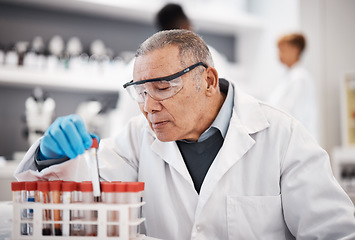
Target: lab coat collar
[170,153]
[249,112]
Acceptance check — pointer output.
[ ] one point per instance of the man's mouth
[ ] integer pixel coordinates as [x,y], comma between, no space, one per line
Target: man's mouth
[160,124]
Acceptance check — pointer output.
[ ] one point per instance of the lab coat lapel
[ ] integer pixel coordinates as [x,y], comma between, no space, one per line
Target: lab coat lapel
[170,153]
[236,144]
[247,118]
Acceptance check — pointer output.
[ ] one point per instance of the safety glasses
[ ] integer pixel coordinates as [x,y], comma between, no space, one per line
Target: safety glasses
[158,88]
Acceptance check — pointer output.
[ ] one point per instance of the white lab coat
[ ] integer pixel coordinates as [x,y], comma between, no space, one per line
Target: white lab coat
[269,180]
[296,94]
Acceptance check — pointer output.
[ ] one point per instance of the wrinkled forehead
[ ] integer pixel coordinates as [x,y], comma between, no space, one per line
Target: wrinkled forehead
[157,63]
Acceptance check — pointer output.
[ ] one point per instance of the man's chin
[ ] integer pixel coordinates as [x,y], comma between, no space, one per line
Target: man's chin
[164,138]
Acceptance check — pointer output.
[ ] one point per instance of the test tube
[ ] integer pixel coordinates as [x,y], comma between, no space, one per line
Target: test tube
[91,155]
[134,195]
[121,198]
[19,196]
[31,193]
[43,197]
[55,188]
[140,193]
[108,196]
[88,215]
[76,229]
[68,188]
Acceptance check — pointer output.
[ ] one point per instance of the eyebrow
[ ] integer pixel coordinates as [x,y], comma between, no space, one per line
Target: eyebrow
[167,78]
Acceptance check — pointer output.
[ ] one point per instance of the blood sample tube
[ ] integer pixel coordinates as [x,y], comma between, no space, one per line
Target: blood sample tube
[140,192]
[76,229]
[121,198]
[134,196]
[67,188]
[43,197]
[55,188]
[108,196]
[31,193]
[19,196]
[88,215]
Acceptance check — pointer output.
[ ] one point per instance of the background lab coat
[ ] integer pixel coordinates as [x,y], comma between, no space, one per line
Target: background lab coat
[296,94]
[270,178]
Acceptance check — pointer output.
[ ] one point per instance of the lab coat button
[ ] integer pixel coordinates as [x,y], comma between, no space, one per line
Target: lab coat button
[198,228]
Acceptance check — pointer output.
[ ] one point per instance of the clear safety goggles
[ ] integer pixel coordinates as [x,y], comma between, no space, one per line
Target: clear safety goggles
[158,88]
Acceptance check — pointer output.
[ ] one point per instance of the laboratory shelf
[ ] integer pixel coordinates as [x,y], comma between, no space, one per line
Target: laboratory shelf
[58,80]
[224,21]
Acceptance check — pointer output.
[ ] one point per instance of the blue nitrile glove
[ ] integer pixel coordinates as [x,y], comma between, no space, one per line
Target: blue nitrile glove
[66,137]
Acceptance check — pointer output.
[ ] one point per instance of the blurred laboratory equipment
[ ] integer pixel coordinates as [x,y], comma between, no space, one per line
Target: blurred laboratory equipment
[2,54]
[98,117]
[39,114]
[56,46]
[74,46]
[59,55]
[348,108]
[21,48]
[89,112]
[11,57]
[35,56]
[99,58]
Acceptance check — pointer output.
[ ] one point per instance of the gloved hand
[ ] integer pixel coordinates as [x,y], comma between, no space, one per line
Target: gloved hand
[67,136]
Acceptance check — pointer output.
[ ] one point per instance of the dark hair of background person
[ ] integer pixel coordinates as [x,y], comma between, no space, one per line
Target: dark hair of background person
[296,39]
[172,16]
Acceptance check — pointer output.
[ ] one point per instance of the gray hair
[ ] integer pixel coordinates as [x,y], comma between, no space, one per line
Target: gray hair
[192,48]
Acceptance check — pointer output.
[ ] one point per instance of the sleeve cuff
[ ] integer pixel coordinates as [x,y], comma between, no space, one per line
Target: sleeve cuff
[42,164]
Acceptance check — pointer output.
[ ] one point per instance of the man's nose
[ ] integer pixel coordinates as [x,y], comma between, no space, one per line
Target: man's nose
[150,104]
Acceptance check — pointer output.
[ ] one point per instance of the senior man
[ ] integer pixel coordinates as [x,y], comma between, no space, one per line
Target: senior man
[217,163]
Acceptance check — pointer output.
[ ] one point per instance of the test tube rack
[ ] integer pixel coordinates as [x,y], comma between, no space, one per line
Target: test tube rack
[101,222]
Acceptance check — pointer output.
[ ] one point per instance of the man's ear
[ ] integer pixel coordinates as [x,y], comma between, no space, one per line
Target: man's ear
[212,81]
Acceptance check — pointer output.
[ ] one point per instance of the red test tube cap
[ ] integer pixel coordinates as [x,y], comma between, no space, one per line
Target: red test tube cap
[68,186]
[141,186]
[120,186]
[55,185]
[133,187]
[95,143]
[86,186]
[107,186]
[31,186]
[17,186]
[43,186]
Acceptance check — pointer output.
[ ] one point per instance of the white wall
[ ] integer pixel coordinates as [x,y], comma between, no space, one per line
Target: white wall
[329,25]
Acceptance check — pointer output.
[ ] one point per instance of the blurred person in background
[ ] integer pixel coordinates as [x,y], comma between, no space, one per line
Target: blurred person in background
[172,16]
[295,92]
